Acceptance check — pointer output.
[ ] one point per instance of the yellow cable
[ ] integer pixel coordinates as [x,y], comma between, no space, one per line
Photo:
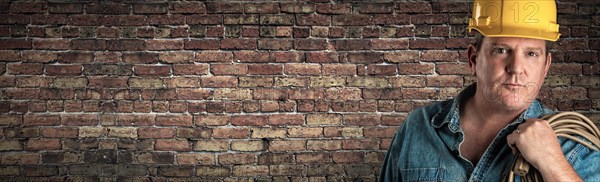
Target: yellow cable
[564,124]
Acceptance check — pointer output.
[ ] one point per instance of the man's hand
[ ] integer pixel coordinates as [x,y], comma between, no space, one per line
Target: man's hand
[537,143]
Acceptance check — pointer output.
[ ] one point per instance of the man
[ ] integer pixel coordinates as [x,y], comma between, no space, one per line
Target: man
[474,136]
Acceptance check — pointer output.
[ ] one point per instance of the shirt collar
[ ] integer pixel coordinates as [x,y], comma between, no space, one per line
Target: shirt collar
[450,112]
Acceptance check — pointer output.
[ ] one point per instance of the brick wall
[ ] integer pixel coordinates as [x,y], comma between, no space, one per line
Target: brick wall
[241,91]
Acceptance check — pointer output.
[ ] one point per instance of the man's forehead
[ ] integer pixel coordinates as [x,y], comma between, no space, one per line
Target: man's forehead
[515,41]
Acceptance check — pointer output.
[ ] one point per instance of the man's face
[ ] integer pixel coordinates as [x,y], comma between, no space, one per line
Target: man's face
[510,71]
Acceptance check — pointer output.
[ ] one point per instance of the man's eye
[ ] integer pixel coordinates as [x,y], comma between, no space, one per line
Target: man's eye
[533,54]
[500,50]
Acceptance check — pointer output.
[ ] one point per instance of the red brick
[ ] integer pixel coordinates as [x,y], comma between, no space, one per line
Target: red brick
[210,19]
[51,44]
[299,94]
[392,120]
[108,57]
[341,8]
[339,69]
[445,81]
[172,145]
[261,8]
[427,44]
[107,8]
[63,70]
[10,55]
[107,32]
[43,144]
[164,44]
[22,93]
[352,20]
[193,94]
[349,45]
[374,8]
[25,69]
[418,93]
[187,7]
[174,120]
[41,120]
[154,8]
[126,45]
[107,82]
[248,120]
[229,69]
[219,81]
[12,120]
[582,57]
[429,19]
[143,70]
[15,44]
[365,57]
[250,31]
[79,119]
[565,69]
[342,93]
[277,19]
[275,44]
[313,20]
[286,119]
[436,55]
[348,157]
[176,171]
[136,120]
[359,144]
[391,19]
[66,8]
[28,7]
[569,93]
[87,44]
[310,44]
[302,69]
[222,7]
[232,133]
[414,68]
[458,43]
[287,145]
[384,44]
[251,57]
[265,69]
[39,56]
[234,43]
[10,19]
[287,57]
[202,44]
[214,56]
[452,69]
[84,20]
[62,132]
[381,69]
[75,57]
[190,69]
[166,19]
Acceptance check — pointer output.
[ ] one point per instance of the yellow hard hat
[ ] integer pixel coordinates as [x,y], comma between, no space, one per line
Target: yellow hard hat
[515,18]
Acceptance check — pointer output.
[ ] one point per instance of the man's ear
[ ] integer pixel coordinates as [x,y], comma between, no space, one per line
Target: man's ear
[548,63]
[472,54]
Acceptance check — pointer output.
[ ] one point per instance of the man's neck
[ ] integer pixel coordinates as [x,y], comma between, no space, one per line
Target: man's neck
[482,113]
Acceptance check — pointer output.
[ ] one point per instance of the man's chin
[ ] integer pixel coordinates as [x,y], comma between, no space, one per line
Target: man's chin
[512,104]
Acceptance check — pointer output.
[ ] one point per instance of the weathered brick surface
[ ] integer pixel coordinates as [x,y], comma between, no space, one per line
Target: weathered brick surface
[241,90]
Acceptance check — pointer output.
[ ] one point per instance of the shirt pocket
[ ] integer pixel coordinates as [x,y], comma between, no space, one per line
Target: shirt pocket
[423,174]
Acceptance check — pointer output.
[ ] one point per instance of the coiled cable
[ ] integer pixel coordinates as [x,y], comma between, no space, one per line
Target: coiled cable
[564,124]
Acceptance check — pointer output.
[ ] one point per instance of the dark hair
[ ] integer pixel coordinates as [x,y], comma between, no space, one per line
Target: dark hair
[479,39]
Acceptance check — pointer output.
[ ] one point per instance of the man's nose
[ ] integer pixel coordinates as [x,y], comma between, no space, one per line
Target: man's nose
[515,64]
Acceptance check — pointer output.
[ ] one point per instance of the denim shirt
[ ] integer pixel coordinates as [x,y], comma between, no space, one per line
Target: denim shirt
[426,147]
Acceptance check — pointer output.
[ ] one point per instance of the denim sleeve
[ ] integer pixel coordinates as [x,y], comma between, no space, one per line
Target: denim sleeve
[389,169]
[584,160]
